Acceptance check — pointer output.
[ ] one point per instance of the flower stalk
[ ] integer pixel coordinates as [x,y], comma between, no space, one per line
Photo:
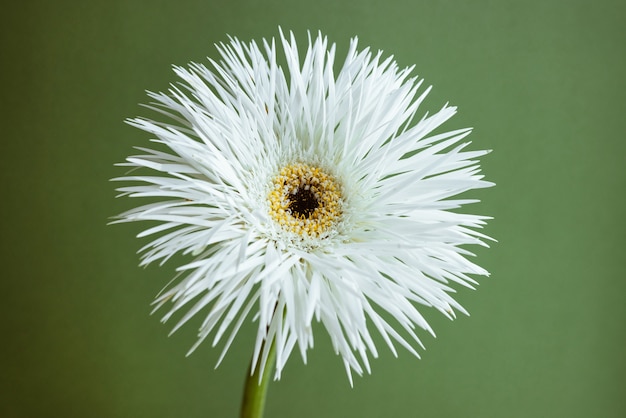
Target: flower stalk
[255,388]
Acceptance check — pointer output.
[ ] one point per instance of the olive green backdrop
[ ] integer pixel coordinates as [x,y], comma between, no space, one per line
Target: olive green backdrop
[542,83]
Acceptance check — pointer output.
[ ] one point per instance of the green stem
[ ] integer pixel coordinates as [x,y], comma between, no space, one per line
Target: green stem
[255,389]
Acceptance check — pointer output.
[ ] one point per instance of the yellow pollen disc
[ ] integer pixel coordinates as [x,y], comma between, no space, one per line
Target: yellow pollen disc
[305,200]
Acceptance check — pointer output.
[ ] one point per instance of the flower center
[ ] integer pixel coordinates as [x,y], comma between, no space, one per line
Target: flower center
[305,200]
[303,203]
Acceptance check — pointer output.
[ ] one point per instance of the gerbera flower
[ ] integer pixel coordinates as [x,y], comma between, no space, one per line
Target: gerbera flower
[305,195]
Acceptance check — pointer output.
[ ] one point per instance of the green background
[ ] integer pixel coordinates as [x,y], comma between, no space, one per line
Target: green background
[542,83]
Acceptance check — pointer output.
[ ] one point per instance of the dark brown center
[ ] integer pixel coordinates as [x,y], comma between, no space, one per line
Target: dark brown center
[302,203]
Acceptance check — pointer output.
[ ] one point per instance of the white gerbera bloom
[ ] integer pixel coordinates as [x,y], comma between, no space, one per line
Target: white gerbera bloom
[306,195]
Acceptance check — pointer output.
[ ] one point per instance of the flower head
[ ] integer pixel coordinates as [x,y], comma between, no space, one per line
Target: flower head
[305,195]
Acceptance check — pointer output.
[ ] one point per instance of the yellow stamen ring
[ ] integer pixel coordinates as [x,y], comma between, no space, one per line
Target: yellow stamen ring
[305,200]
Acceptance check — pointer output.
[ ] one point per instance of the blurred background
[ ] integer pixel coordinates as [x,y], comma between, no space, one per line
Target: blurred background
[543,85]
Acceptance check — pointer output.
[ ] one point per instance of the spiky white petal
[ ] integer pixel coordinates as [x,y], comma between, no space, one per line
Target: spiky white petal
[395,244]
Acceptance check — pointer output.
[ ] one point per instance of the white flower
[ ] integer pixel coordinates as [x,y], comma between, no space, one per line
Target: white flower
[306,196]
